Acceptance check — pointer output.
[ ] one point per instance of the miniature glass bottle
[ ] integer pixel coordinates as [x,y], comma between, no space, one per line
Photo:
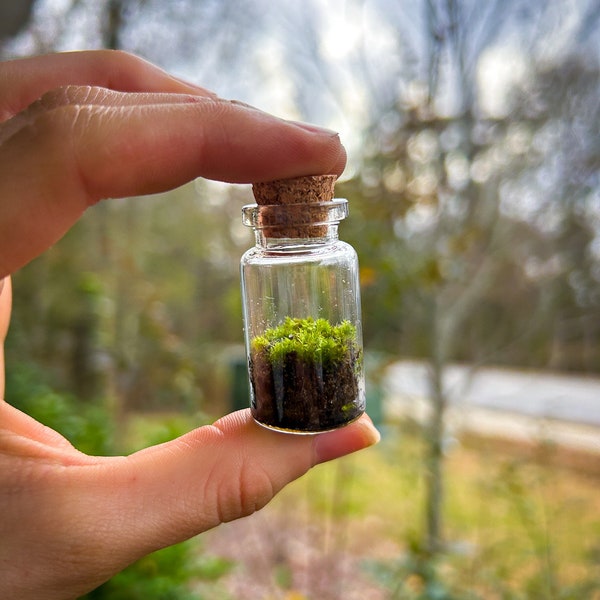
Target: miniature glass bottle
[302,316]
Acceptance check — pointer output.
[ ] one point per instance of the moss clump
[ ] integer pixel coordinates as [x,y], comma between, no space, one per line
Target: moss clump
[308,339]
[305,375]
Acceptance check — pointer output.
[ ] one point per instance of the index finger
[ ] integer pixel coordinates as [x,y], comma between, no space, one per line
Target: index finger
[22,81]
[72,156]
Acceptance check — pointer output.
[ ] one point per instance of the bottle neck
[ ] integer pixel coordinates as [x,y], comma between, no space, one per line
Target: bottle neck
[295,226]
[270,239]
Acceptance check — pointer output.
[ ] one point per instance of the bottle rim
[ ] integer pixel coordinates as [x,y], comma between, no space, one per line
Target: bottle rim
[295,215]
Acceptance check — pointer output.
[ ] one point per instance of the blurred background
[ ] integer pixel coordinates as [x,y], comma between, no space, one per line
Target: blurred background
[473,133]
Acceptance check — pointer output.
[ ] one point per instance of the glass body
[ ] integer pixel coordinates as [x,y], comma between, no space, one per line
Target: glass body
[302,319]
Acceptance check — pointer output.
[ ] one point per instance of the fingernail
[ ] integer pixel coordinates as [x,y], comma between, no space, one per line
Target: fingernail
[315,128]
[301,124]
[353,437]
[245,105]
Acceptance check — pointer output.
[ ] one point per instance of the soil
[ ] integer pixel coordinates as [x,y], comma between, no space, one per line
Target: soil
[298,395]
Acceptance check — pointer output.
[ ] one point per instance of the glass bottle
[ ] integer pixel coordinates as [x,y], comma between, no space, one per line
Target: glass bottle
[302,318]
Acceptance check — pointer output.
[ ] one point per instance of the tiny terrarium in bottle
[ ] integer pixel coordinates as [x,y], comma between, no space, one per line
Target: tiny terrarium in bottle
[301,301]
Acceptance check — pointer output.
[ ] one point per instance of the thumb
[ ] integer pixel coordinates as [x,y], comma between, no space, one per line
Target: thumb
[222,472]
[82,519]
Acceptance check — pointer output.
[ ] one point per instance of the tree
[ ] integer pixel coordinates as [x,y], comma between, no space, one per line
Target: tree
[450,254]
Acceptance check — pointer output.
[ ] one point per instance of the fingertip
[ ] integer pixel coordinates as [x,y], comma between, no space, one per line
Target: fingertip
[280,148]
[340,161]
[334,444]
[333,147]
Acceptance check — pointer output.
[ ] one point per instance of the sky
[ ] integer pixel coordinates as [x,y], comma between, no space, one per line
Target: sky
[333,63]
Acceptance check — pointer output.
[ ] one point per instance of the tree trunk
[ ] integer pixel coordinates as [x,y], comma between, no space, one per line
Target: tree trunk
[434,463]
[435,470]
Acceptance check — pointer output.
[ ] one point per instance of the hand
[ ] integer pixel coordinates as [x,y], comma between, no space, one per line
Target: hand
[108,125]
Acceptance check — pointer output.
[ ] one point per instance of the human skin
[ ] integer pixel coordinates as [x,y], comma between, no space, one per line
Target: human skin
[75,129]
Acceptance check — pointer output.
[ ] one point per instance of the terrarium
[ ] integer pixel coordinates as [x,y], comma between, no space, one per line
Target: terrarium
[301,303]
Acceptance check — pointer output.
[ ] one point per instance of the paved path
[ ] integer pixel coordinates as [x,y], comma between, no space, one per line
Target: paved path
[524,404]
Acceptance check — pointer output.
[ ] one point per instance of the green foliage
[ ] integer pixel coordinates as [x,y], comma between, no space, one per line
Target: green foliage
[144,429]
[164,575]
[86,426]
[311,340]
[136,310]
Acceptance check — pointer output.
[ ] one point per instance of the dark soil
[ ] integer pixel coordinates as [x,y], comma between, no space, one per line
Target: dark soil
[298,395]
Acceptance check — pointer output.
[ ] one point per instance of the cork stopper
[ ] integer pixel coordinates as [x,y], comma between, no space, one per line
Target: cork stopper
[301,198]
[300,190]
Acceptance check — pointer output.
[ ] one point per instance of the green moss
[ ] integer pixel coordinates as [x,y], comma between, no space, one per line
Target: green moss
[309,339]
